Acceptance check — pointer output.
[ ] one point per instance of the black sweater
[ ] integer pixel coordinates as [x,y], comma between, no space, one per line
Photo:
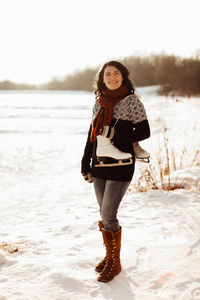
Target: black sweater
[131,125]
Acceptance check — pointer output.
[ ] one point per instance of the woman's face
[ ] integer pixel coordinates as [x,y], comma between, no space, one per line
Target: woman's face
[112,78]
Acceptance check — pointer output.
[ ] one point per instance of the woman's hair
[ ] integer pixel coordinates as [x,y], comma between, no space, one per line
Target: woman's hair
[99,85]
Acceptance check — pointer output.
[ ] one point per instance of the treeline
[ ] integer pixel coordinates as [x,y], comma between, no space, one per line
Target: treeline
[175,75]
[80,80]
[178,76]
[8,85]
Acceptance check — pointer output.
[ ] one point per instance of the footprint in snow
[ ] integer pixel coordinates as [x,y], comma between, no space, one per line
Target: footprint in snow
[195,248]
[195,293]
[66,282]
[143,257]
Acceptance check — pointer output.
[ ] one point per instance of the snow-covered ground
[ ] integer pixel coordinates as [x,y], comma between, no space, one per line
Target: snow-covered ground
[48,214]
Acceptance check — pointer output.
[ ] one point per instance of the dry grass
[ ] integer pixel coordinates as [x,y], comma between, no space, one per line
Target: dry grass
[10,247]
[158,174]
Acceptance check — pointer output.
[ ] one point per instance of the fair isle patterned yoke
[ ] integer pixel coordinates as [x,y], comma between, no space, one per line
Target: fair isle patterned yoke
[129,108]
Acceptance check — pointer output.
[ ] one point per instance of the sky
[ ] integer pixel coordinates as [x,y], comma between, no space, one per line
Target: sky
[45,39]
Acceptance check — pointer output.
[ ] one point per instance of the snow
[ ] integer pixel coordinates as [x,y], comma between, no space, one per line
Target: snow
[49,240]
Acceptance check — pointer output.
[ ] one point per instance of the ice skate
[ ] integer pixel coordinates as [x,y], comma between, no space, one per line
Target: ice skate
[107,154]
[141,154]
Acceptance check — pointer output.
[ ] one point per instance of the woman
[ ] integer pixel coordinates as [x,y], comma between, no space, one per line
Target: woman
[116,106]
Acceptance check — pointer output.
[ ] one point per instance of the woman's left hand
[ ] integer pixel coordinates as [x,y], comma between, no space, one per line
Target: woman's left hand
[88,177]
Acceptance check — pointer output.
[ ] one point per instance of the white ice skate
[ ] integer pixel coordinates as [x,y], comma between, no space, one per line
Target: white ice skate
[141,154]
[107,154]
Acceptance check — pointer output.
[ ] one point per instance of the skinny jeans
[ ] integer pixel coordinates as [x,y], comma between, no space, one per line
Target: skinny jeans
[109,194]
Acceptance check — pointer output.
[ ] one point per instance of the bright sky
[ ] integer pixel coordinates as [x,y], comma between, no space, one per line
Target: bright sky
[42,39]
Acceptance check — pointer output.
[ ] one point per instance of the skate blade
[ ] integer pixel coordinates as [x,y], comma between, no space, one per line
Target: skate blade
[117,164]
[143,160]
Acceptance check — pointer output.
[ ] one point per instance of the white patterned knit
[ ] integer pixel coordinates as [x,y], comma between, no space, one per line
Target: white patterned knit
[129,108]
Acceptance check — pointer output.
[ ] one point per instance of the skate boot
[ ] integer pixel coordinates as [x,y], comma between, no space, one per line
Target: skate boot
[107,154]
[141,154]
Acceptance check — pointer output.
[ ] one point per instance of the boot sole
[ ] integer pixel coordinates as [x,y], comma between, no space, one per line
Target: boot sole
[107,280]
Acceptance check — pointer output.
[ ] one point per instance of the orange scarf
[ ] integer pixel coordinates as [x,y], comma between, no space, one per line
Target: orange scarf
[107,100]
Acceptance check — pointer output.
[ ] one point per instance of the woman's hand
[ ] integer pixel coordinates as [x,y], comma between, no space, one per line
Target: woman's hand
[88,177]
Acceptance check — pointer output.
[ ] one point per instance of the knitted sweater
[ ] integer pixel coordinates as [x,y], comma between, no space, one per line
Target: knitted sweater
[131,125]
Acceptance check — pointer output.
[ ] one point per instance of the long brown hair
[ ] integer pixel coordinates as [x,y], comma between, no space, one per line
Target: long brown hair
[99,85]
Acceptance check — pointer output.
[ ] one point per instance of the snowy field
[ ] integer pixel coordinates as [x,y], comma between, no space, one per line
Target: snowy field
[49,240]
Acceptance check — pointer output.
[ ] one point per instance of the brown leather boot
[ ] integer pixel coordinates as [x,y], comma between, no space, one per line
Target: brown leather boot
[99,267]
[113,247]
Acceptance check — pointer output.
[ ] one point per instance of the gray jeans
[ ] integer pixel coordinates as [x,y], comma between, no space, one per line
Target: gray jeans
[109,194]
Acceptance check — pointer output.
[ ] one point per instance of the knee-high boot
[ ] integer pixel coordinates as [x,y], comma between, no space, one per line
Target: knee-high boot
[99,267]
[113,246]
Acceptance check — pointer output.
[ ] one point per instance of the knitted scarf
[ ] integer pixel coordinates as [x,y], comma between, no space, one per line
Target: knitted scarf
[107,100]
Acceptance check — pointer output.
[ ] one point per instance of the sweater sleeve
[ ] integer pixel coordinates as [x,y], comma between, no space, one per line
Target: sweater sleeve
[141,129]
[87,155]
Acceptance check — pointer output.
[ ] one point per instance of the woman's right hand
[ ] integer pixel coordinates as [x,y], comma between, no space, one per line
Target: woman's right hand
[88,177]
